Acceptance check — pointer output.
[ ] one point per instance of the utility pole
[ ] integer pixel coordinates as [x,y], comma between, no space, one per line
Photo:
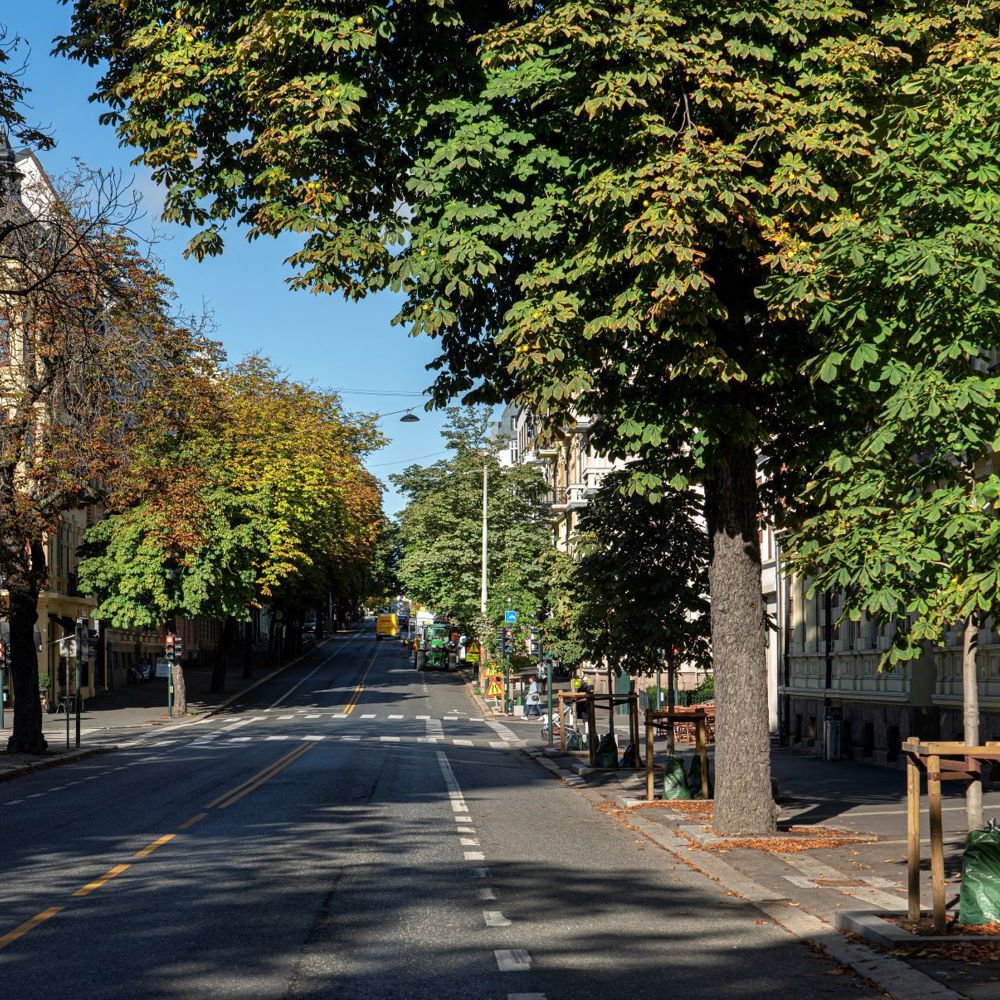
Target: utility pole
[482,592]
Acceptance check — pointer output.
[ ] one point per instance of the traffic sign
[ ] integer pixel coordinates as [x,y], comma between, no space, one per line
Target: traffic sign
[510,617]
[494,690]
[472,652]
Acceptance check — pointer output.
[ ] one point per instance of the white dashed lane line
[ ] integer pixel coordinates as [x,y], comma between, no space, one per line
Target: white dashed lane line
[513,960]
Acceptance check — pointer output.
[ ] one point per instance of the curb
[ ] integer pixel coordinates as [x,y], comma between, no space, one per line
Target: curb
[870,925]
[45,765]
[890,975]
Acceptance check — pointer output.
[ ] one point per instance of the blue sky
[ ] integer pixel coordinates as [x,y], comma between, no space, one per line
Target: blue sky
[321,339]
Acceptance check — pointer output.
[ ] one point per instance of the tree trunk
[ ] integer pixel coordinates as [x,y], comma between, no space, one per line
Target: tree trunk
[218,684]
[743,802]
[248,631]
[180,706]
[970,716]
[23,587]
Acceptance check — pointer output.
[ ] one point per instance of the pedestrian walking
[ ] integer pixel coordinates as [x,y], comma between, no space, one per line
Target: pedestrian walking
[532,703]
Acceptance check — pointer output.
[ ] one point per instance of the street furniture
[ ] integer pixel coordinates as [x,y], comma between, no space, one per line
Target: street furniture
[659,720]
[935,761]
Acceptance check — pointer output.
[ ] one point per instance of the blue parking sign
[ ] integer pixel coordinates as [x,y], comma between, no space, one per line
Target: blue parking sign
[510,617]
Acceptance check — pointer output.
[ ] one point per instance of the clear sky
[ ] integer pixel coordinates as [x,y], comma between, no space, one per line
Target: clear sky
[321,339]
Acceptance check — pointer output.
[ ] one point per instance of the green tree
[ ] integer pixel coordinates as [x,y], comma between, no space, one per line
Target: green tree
[642,589]
[906,290]
[582,202]
[244,487]
[440,531]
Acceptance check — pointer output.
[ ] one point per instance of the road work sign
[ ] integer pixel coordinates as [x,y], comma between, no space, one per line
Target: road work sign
[494,690]
[472,652]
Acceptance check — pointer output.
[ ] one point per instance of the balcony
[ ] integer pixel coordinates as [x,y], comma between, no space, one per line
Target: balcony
[573,497]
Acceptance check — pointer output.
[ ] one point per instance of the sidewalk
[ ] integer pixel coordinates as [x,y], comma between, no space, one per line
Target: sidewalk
[862,807]
[127,712]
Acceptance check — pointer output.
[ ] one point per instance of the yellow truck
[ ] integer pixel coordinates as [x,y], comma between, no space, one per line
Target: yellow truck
[386,626]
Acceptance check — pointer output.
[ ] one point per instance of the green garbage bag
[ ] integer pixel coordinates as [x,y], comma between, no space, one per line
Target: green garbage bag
[694,778]
[979,902]
[674,781]
[607,751]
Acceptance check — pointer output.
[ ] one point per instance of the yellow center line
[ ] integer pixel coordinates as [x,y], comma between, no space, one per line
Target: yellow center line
[224,801]
[159,842]
[38,918]
[250,780]
[98,882]
[356,697]
[301,751]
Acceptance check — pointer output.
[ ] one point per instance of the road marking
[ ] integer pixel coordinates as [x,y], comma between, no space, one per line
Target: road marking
[241,739]
[389,739]
[468,841]
[465,829]
[242,722]
[253,778]
[285,718]
[312,739]
[188,823]
[302,749]
[351,739]
[451,718]
[313,716]
[423,718]
[14,802]
[295,687]
[485,894]
[502,731]
[462,743]
[156,844]
[98,882]
[369,715]
[512,960]
[526,996]
[395,717]
[39,918]
[356,697]
[494,918]
[474,856]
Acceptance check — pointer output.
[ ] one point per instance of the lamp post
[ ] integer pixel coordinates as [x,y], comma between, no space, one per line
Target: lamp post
[485,551]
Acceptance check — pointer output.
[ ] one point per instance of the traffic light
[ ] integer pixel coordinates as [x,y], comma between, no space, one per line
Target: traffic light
[508,640]
[536,644]
[171,646]
[178,648]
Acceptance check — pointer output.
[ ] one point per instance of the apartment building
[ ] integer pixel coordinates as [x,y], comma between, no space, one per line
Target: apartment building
[573,469]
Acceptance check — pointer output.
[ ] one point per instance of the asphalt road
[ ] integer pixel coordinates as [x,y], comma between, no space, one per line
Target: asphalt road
[353,829]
